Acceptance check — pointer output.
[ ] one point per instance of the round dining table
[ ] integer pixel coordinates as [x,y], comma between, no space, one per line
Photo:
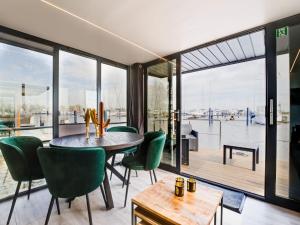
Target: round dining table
[112,142]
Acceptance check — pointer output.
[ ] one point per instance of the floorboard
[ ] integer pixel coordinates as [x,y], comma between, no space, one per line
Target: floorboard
[33,212]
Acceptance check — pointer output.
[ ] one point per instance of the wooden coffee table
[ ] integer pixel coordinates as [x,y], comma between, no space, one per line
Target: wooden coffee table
[158,205]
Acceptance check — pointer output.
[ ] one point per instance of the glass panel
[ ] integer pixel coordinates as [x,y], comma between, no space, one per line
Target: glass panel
[225,106]
[77,87]
[236,48]
[214,49]
[247,46]
[226,50]
[207,54]
[25,102]
[194,59]
[114,93]
[202,58]
[258,39]
[288,111]
[161,99]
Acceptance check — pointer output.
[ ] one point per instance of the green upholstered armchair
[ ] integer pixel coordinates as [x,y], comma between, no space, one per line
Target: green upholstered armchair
[72,172]
[146,158]
[20,155]
[126,151]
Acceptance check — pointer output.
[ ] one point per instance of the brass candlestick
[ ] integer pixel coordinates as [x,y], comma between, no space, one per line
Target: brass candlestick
[100,124]
[87,118]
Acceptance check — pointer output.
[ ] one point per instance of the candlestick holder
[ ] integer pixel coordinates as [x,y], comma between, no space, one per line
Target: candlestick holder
[179,187]
[87,118]
[99,124]
[191,185]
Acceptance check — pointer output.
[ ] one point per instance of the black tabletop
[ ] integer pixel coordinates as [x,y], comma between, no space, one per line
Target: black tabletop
[110,141]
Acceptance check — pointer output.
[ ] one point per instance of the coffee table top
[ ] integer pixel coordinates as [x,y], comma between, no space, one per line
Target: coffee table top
[193,208]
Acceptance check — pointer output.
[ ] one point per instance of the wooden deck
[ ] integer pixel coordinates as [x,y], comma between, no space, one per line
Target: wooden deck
[237,173]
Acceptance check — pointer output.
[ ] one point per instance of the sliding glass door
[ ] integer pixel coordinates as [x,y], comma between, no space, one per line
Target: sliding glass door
[162,108]
[223,89]
[288,112]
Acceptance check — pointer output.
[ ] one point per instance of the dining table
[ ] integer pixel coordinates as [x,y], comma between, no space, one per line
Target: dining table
[111,142]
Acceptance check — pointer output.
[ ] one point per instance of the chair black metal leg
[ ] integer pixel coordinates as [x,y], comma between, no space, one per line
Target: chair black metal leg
[127,188]
[13,202]
[112,163]
[103,195]
[6,173]
[70,204]
[136,174]
[49,210]
[57,206]
[155,179]
[29,189]
[89,209]
[151,177]
[124,177]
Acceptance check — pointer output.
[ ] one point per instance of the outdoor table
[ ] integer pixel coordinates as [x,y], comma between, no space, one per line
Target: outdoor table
[112,142]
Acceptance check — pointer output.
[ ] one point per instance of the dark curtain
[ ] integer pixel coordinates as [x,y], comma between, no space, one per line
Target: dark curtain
[136,97]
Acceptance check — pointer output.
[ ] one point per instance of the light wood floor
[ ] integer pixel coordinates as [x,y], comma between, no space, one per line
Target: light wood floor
[33,212]
[208,164]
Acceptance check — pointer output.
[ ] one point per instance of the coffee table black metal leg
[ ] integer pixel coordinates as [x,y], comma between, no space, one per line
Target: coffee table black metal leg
[224,155]
[133,217]
[230,153]
[221,221]
[257,155]
[215,218]
[109,199]
[253,160]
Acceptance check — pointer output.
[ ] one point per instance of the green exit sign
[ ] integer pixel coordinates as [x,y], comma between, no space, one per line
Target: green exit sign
[282,32]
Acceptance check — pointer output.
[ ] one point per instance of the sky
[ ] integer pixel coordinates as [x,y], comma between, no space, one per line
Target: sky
[77,77]
[236,86]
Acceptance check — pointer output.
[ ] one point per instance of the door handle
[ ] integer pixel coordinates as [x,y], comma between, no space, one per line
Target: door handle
[271,111]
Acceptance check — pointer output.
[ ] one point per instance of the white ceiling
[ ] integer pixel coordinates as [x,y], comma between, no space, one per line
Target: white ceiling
[160,26]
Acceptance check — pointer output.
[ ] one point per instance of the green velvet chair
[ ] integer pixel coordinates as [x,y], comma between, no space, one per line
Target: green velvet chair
[20,155]
[147,157]
[126,151]
[72,172]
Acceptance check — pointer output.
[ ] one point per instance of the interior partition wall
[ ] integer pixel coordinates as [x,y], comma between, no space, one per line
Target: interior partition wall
[44,88]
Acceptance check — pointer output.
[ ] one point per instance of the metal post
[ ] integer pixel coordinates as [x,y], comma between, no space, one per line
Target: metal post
[247,115]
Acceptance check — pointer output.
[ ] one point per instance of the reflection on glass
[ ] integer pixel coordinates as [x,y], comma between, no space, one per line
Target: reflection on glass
[288,111]
[77,87]
[161,99]
[25,101]
[114,93]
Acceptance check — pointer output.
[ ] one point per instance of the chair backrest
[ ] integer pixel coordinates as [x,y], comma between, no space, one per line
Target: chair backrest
[186,129]
[20,155]
[72,172]
[122,129]
[154,143]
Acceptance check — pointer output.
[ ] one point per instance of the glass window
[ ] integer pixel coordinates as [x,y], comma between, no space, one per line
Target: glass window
[77,86]
[25,101]
[114,93]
